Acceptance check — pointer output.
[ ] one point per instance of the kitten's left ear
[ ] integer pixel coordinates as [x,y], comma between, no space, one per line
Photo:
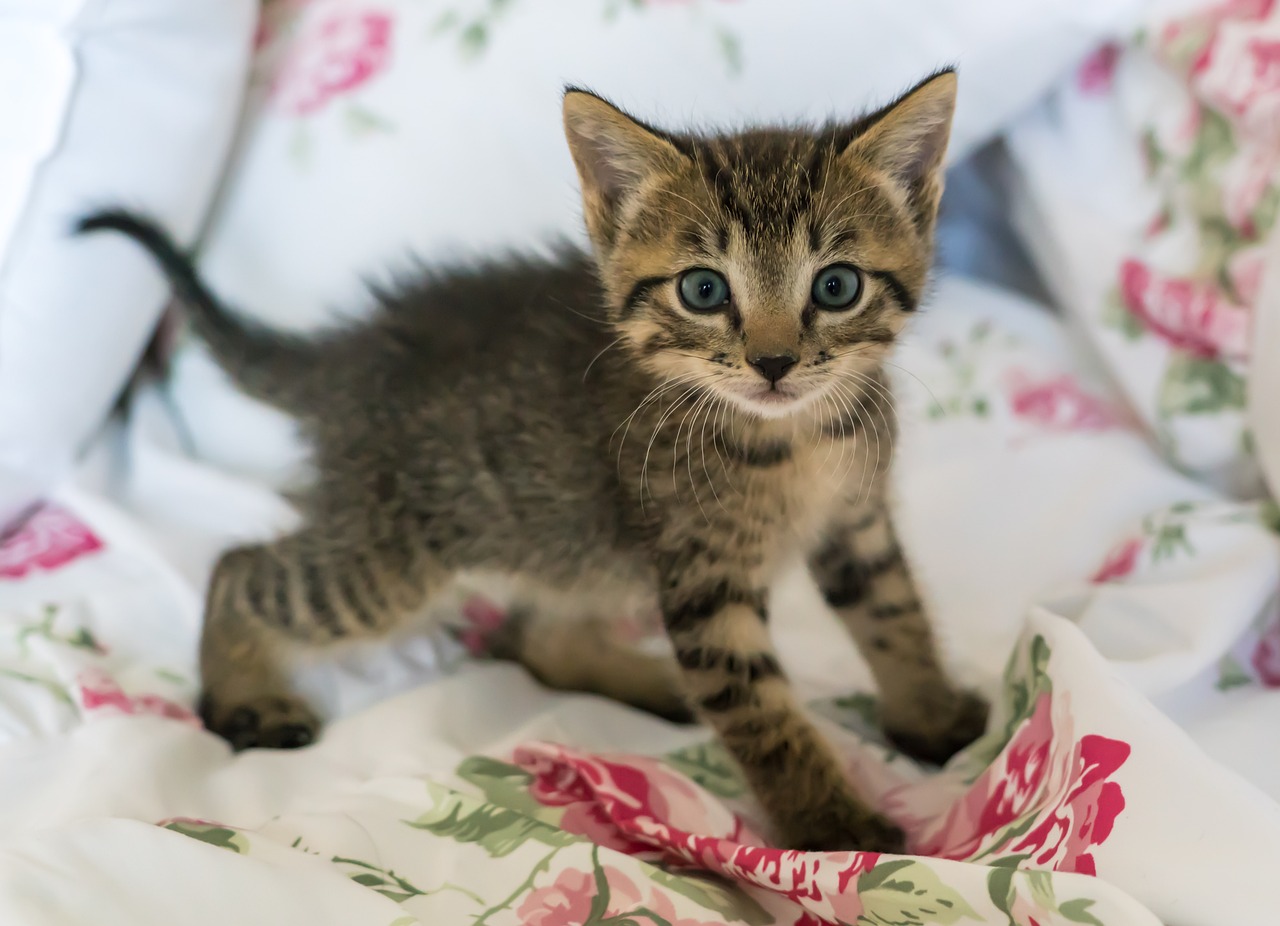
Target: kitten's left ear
[614,153]
[908,138]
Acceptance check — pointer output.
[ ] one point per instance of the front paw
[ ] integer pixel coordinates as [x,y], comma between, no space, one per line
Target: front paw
[267,722]
[935,736]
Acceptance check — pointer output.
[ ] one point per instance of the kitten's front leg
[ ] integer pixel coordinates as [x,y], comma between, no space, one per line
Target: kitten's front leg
[863,575]
[716,622]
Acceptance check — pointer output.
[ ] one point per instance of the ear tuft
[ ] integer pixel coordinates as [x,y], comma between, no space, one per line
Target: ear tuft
[908,138]
[613,152]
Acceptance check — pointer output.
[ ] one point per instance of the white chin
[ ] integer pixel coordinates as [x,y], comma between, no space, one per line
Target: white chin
[779,407]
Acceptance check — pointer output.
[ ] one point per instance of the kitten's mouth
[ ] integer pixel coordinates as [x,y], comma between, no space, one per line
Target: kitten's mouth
[772,402]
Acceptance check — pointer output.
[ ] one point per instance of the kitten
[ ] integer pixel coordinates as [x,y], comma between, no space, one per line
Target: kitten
[679,414]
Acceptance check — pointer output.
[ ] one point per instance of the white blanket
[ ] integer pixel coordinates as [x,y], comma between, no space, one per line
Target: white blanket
[1135,737]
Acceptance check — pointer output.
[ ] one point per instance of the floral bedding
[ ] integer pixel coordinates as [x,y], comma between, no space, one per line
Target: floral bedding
[1085,515]
[1124,623]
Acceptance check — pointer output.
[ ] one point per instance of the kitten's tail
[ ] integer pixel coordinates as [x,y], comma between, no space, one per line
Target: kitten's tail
[265,363]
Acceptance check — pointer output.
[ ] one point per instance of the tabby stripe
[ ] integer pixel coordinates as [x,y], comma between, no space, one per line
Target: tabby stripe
[895,286]
[867,521]
[846,425]
[755,667]
[731,696]
[348,589]
[281,600]
[254,592]
[705,604]
[640,292]
[317,595]
[884,612]
[847,588]
[881,564]
[762,456]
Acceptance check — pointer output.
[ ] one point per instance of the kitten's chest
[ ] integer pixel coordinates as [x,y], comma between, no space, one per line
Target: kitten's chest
[795,499]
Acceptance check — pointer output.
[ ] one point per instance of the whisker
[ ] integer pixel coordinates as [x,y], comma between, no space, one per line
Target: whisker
[607,348]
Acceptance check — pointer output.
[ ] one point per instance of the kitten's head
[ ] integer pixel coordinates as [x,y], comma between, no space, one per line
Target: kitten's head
[766,265]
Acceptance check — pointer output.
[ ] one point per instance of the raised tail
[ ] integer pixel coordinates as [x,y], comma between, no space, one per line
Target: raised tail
[265,363]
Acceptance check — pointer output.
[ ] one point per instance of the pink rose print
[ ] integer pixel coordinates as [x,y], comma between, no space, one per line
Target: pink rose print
[564,902]
[1064,836]
[1060,404]
[1098,70]
[1119,563]
[51,538]
[1266,655]
[336,51]
[1186,314]
[1063,790]
[1245,269]
[646,807]
[100,692]
[1245,182]
[1238,72]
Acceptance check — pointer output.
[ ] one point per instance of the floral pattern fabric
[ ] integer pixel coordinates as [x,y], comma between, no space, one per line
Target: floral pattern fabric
[1162,258]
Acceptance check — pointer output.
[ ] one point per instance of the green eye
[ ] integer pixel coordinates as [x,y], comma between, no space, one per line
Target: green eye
[836,287]
[703,290]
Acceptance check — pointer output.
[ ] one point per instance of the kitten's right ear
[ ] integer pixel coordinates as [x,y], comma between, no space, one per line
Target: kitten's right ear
[614,153]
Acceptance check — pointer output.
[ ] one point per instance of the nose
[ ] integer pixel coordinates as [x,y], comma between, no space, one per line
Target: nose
[773,368]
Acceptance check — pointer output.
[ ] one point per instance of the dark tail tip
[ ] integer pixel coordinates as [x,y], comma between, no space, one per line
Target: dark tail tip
[128,223]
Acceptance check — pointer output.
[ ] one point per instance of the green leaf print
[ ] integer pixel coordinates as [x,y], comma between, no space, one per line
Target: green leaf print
[908,892]
[385,881]
[214,834]
[710,765]
[79,638]
[1078,912]
[361,121]
[1116,315]
[1265,213]
[1214,145]
[1197,386]
[735,906]
[1231,674]
[1269,515]
[1000,889]
[506,785]
[54,688]
[497,830]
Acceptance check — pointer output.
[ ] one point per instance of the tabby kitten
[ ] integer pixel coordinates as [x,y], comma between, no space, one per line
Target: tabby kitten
[679,415]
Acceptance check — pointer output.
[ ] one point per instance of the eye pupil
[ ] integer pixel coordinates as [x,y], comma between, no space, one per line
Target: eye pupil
[703,290]
[837,287]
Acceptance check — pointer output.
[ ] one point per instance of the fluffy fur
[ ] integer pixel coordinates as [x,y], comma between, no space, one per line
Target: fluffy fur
[575,423]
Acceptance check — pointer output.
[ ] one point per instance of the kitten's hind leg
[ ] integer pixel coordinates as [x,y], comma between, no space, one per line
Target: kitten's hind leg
[589,654]
[268,602]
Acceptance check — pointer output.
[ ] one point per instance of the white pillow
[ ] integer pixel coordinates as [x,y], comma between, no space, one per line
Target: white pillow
[386,127]
[132,100]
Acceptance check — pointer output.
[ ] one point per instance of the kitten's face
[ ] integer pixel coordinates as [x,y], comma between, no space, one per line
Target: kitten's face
[771,268]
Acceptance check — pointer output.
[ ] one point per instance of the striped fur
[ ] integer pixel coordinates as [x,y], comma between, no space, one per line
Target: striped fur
[570,423]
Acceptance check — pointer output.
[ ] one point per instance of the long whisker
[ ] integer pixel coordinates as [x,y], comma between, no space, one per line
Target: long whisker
[644,467]
[653,396]
[703,403]
[702,439]
[607,348]
[898,366]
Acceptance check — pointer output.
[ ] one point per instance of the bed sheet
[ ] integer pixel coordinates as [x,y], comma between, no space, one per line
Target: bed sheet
[1121,616]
